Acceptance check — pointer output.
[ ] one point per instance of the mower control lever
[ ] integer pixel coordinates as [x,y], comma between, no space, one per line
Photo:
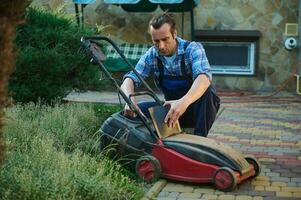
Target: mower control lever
[94,52]
[145,93]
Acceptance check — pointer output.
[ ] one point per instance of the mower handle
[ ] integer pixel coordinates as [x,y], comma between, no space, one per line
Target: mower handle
[87,44]
[142,93]
[94,39]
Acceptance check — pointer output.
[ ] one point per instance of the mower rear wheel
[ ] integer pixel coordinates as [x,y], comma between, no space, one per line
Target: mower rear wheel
[224,179]
[252,161]
[148,168]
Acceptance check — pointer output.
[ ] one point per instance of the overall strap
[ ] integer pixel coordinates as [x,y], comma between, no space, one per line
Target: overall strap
[161,70]
[183,66]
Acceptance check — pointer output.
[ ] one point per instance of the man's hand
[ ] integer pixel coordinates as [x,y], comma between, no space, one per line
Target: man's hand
[128,112]
[128,88]
[177,108]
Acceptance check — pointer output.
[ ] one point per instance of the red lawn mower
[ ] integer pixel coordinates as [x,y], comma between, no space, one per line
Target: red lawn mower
[176,156]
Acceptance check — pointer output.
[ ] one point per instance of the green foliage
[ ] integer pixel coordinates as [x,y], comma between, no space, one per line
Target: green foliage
[53,154]
[48,64]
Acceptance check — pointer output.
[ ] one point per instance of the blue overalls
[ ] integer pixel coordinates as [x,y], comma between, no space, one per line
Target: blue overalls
[201,114]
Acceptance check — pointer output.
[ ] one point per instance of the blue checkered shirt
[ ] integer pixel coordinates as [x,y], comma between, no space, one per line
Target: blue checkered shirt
[196,62]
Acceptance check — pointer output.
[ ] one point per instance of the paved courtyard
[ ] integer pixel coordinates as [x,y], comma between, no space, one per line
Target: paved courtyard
[269,129]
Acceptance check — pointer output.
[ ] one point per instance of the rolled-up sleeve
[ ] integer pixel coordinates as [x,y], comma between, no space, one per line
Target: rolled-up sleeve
[200,64]
[142,67]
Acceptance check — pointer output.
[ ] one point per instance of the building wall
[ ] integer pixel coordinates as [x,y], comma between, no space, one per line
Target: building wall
[269,17]
[276,64]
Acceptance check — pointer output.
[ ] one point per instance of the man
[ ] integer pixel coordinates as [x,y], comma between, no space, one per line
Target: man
[182,71]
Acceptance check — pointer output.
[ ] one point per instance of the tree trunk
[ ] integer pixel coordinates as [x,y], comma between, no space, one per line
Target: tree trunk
[11,14]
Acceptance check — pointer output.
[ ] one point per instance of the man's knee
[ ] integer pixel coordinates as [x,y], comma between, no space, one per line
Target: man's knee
[205,110]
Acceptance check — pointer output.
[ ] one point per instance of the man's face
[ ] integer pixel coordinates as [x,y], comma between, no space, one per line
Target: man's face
[164,40]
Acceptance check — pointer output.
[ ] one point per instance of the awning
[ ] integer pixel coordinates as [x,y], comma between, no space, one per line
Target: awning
[84,1]
[151,5]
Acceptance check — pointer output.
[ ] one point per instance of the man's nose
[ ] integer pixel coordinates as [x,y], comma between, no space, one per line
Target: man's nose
[161,45]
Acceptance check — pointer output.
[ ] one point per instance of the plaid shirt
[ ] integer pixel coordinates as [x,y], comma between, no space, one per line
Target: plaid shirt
[196,62]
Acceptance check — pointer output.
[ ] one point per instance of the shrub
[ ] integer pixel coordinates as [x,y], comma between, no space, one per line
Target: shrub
[48,64]
[52,154]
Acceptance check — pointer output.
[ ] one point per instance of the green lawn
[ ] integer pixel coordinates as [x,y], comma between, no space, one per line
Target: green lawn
[52,153]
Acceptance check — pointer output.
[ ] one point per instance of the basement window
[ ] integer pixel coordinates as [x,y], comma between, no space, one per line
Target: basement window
[230,52]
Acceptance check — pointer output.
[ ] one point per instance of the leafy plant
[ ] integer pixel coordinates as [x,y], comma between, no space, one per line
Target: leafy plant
[48,64]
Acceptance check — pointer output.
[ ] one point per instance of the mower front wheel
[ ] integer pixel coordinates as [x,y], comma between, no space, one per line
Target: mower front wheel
[148,168]
[252,161]
[225,179]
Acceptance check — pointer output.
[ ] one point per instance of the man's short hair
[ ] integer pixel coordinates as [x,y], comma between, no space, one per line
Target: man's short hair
[158,20]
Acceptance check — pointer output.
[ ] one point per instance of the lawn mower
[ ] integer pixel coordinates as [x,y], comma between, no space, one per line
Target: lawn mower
[177,156]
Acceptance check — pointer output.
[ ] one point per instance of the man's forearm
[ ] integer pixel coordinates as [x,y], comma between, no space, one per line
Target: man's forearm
[128,86]
[198,88]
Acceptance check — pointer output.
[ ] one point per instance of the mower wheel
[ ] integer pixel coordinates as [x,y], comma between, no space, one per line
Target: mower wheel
[225,179]
[252,161]
[148,168]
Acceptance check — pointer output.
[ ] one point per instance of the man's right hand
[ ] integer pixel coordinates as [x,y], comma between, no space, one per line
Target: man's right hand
[128,112]
[128,88]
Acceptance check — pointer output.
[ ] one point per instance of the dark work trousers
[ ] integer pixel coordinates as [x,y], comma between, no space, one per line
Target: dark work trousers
[200,115]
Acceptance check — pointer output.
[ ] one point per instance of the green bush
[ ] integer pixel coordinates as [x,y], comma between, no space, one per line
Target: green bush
[48,64]
[53,154]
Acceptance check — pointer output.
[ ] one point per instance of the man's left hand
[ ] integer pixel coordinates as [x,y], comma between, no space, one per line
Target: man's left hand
[177,108]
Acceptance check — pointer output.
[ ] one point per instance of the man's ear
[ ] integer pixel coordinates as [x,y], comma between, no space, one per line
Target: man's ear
[174,34]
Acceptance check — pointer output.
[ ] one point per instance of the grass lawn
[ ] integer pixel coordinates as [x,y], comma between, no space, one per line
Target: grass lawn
[52,153]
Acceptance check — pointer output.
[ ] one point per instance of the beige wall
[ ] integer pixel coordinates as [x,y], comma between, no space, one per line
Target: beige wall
[276,64]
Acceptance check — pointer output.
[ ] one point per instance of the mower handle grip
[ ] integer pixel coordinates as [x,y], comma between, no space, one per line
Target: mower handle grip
[143,93]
